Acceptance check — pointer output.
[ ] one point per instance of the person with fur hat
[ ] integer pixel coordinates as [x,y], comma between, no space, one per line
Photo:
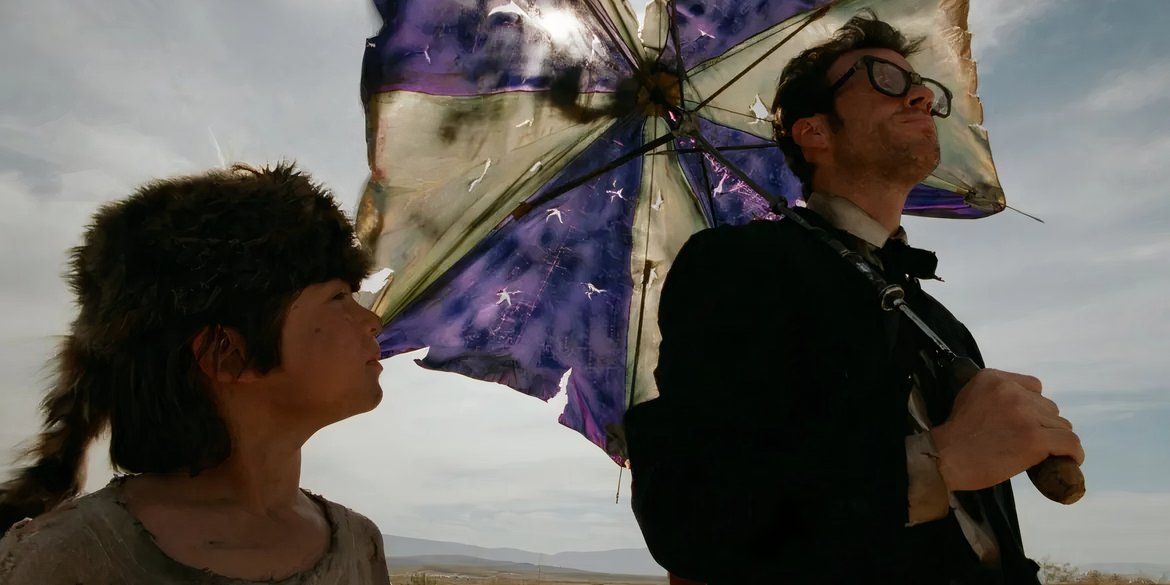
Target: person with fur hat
[217,331]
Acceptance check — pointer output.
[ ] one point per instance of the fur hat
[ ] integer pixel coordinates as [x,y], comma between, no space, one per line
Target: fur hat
[181,254]
[224,249]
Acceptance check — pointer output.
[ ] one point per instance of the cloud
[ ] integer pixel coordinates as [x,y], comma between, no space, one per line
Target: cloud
[447,457]
[35,236]
[1125,407]
[1109,526]
[1129,90]
[106,96]
[997,23]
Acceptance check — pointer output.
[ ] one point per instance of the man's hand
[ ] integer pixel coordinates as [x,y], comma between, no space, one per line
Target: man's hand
[1000,425]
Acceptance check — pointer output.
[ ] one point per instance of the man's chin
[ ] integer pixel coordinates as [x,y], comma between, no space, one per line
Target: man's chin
[923,156]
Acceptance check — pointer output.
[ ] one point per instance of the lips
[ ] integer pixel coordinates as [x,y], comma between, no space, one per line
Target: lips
[918,119]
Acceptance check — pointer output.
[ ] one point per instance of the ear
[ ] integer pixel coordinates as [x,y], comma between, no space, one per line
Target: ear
[812,133]
[222,355]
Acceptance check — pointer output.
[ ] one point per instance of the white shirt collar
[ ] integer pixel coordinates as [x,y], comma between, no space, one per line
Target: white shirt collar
[846,216]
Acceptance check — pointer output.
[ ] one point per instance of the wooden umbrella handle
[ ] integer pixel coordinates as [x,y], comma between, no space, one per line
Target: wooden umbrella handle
[1058,478]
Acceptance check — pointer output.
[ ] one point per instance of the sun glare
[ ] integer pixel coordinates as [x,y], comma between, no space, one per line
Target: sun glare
[560,24]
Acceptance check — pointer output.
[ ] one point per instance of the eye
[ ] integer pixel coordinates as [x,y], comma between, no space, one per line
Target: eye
[341,296]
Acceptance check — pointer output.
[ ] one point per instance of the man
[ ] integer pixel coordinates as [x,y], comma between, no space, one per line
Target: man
[801,435]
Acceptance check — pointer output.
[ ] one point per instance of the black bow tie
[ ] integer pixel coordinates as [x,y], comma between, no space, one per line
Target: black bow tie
[899,259]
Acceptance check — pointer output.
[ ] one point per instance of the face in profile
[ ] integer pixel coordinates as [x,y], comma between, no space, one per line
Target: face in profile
[895,134]
[329,356]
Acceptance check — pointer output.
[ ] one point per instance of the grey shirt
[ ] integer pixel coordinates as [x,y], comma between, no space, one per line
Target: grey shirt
[95,540]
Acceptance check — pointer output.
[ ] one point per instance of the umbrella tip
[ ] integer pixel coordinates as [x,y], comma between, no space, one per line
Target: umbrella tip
[1028,215]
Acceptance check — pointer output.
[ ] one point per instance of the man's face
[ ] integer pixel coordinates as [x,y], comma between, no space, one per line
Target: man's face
[894,135]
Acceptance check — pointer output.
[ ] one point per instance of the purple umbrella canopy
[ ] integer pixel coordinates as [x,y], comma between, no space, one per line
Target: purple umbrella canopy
[537,164]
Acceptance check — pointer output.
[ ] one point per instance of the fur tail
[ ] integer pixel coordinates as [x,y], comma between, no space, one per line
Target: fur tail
[75,413]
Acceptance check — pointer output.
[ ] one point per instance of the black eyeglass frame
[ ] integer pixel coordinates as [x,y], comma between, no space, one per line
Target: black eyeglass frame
[911,79]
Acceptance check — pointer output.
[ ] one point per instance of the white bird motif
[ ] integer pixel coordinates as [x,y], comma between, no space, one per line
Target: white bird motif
[527,122]
[658,201]
[719,187]
[427,53]
[554,212]
[591,290]
[476,182]
[615,192]
[703,33]
[759,111]
[505,295]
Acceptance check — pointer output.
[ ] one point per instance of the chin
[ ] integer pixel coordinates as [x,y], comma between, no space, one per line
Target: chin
[923,155]
[375,397]
[357,400]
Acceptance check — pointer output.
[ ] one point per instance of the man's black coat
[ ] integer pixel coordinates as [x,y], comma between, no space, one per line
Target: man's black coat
[775,453]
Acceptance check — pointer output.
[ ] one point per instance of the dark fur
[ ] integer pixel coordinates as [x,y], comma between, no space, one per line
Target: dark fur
[180,256]
[803,90]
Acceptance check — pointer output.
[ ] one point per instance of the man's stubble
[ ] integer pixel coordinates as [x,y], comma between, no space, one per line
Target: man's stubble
[889,156]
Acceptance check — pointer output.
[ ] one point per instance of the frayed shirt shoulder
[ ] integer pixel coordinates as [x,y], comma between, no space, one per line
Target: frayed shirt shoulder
[94,539]
[59,547]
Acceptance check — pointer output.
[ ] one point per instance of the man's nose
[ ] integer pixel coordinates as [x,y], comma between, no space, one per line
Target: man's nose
[920,97]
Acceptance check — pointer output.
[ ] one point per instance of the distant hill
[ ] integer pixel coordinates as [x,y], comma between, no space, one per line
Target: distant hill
[627,561]
[447,562]
[1156,571]
[406,552]
[477,570]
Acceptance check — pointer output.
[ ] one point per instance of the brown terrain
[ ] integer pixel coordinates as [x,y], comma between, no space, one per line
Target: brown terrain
[503,575]
[473,576]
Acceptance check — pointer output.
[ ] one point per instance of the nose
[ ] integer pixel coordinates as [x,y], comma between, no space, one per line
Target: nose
[920,98]
[372,321]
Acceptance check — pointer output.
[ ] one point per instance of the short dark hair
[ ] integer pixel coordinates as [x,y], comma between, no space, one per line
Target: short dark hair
[803,89]
[180,257]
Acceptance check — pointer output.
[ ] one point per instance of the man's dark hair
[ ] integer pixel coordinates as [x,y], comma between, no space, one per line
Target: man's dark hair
[180,257]
[803,90]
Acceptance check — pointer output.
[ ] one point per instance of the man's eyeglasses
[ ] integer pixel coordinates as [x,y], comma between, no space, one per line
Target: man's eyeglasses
[890,79]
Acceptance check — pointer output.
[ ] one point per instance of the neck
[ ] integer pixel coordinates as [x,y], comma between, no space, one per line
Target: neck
[263,472]
[880,198]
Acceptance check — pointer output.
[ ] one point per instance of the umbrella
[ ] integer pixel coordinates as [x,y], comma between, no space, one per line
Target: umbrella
[537,164]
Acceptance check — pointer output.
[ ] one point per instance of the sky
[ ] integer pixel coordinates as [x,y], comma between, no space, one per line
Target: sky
[99,97]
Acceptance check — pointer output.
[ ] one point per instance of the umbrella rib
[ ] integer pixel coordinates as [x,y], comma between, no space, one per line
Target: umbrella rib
[645,280]
[608,26]
[709,191]
[742,46]
[682,67]
[781,207]
[733,112]
[777,203]
[811,18]
[526,207]
[1023,213]
[721,148]
[953,184]
[658,58]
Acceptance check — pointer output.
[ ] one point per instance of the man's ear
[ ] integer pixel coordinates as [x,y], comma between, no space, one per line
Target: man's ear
[222,355]
[812,133]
